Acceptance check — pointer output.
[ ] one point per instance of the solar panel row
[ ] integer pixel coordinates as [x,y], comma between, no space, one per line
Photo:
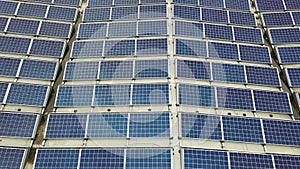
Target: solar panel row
[281,19]
[277,5]
[38,11]
[108,125]
[95,3]
[12,158]
[234,98]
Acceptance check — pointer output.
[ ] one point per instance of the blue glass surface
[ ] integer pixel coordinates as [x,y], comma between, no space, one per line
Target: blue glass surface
[151,28]
[289,54]
[228,73]
[10,44]
[192,2]
[86,49]
[255,53]
[96,14]
[296,17]
[292,4]
[156,11]
[294,76]
[119,48]
[97,30]
[193,69]
[269,5]
[68,2]
[116,69]
[250,161]
[186,12]
[124,13]
[81,71]
[3,22]
[248,35]
[3,88]
[218,32]
[262,76]
[47,48]
[285,35]
[277,19]
[191,47]
[52,29]
[119,29]
[214,3]
[92,3]
[11,158]
[150,94]
[23,26]
[108,95]
[242,18]
[189,29]
[151,69]
[62,13]
[223,50]
[197,95]
[32,10]
[213,15]
[238,4]
[37,69]
[8,7]
[283,162]
[9,66]
[152,47]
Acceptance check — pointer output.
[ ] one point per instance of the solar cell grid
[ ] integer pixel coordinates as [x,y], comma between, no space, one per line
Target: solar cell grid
[32,10]
[277,19]
[3,88]
[37,69]
[68,2]
[92,3]
[292,4]
[289,54]
[96,14]
[189,29]
[152,1]
[191,47]
[293,76]
[284,35]
[55,29]
[8,7]
[193,69]
[296,17]
[223,50]
[108,95]
[213,15]
[150,94]
[48,48]
[81,71]
[270,5]
[152,28]
[251,35]
[238,4]
[126,2]
[152,47]
[3,22]
[9,66]
[156,11]
[219,32]
[262,76]
[228,72]
[282,162]
[125,29]
[119,48]
[83,49]
[194,2]
[242,18]
[254,53]
[62,13]
[9,44]
[210,3]
[11,158]
[185,12]
[151,69]
[97,30]
[250,161]
[116,69]
[124,13]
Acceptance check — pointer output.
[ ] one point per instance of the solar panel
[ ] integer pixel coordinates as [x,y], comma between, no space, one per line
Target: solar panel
[81,71]
[126,2]
[62,13]
[97,30]
[149,125]
[86,49]
[27,94]
[9,44]
[193,69]
[262,76]
[69,96]
[56,158]
[92,3]
[9,66]
[107,125]
[272,101]
[242,18]
[196,95]
[96,14]
[121,13]
[192,2]
[150,28]
[116,69]
[36,69]
[151,69]
[277,19]
[152,47]
[238,4]
[254,53]
[108,95]
[125,29]
[218,32]
[242,129]
[3,22]
[234,98]
[270,5]
[68,2]
[252,35]
[55,29]
[42,1]
[282,132]
[8,7]
[152,1]
[32,10]
[191,47]
[185,12]
[213,15]
[284,35]
[156,11]
[3,88]
[296,17]
[215,3]
[197,158]
[228,73]
[66,126]
[17,125]
[189,29]
[145,157]
[250,161]
[293,76]
[201,126]
[23,26]
[119,48]
[150,94]
[292,4]
[48,48]
[288,54]
[223,50]
[102,158]
[282,162]
[11,158]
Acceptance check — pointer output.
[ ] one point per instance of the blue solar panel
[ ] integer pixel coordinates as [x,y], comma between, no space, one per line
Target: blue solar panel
[242,18]
[285,35]
[283,162]
[272,101]
[55,29]
[62,13]
[27,94]
[296,17]
[69,96]
[102,158]
[289,54]
[108,95]
[23,26]
[66,126]
[214,15]
[47,48]
[292,4]
[193,69]
[124,13]
[197,95]
[11,158]
[119,48]
[125,2]
[269,5]
[3,88]
[238,4]
[150,94]
[17,45]
[68,2]
[192,2]
[201,126]
[215,3]
[107,125]
[151,69]
[218,32]
[294,76]
[157,11]
[116,69]
[196,158]
[8,7]
[149,125]
[252,35]
[228,73]
[97,30]
[242,129]
[255,53]
[185,12]
[152,47]
[282,132]
[85,49]
[9,66]
[262,76]
[81,71]
[42,1]
[148,158]
[152,1]
[223,50]
[96,14]
[56,158]
[152,28]
[3,22]
[100,3]
[17,125]
[250,161]
[125,29]
[38,69]
[32,10]
[234,98]
[277,19]
[191,47]
[189,29]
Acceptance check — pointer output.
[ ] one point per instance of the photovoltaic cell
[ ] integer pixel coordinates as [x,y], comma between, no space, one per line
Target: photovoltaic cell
[193,69]
[150,28]
[215,3]
[62,13]
[125,2]
[9,66]
[3,22]
[8,7]
[56,158]
[81,71]
[155,11]
[121,13]
[262,76]
[248,35]
[185,12]
[37,69]
[116,69]
[108,95]
[66,126]
[197,95]
[218,32]
[292,4]
[223,50]
[270,5]
[119,48]
[213,15]
[272,101]
[3,88]
[150,94]
[242,18]
[254,53]
[11,158]
[294,76]
[23,26]
[96,14]
[152,1]
[192,2]
[151,69]
[68,2]
[250,161]
[201,126]
[97,30]
[16,45]
[285,35]
[152,47]
[191,47]
[189,29]
[48,48]
[242,129]
[119,29]
[282,162]
[234,98]
[99,3]
[32,10]
[237,4]
[85,49]
[228,73]
[277,19]
[296,17]
[55,29]
[289,54]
